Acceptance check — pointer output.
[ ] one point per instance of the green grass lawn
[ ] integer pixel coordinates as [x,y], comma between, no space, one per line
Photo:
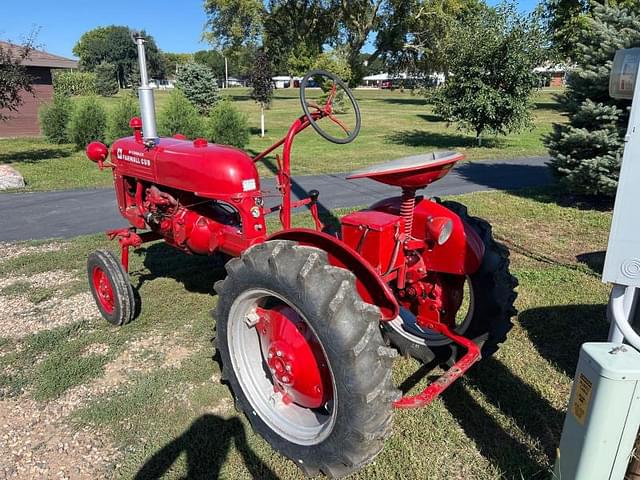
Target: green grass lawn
[394,124]
[153,384]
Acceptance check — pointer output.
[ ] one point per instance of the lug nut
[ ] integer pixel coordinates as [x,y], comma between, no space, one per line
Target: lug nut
[285,378]
[279,353]
[287,367]
[270,355]
[251,319]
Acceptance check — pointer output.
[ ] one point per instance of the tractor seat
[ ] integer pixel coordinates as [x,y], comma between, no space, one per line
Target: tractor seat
[416,171]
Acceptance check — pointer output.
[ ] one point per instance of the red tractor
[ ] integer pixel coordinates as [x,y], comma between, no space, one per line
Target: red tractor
[309,322]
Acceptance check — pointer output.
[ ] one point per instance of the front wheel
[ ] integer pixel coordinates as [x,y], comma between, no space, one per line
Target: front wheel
[110,286]
[485,312]
[304,358]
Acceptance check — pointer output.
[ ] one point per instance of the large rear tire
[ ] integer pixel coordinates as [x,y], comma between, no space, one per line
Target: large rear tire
[492,292]
[347,431]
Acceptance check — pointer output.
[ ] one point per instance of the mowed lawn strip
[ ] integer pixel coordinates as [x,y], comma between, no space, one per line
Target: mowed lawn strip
[503,420]
[394,124]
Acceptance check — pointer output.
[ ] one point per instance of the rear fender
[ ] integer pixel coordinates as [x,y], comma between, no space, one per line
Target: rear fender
[370,285]
[460,255]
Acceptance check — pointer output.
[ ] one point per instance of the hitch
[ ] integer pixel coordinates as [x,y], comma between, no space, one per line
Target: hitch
[458,369]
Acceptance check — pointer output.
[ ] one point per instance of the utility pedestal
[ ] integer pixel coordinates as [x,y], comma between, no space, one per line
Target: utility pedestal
[603,416]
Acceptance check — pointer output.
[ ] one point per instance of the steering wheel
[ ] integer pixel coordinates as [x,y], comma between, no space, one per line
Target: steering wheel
[327,109]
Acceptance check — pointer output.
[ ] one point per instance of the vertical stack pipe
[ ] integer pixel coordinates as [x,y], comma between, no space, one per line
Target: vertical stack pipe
[145,95]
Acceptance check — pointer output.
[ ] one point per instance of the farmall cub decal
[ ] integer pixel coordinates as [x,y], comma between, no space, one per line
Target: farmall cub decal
[131,156]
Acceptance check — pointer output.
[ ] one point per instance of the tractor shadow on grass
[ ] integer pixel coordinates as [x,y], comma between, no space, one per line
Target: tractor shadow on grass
[206,445]
[197,273]
[557,332]
[593,260]
[518,401]
[515,399]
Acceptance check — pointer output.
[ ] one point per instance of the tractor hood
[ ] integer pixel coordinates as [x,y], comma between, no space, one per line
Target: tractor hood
[208,170]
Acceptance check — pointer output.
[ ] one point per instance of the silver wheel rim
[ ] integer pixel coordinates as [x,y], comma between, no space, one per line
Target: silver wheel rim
[300,425]
[408,329]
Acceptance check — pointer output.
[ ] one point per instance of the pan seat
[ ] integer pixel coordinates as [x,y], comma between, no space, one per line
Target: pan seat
[416,171]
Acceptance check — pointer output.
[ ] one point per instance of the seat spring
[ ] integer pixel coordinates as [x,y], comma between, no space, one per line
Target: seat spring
[407,208]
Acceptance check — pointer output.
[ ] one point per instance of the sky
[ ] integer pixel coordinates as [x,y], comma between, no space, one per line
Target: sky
[175,25]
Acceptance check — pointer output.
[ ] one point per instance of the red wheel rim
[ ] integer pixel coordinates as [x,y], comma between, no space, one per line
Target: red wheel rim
[294,392]
[294,357]
[104,290]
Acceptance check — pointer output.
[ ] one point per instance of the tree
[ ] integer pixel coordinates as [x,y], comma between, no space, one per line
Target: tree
[492,56]
[296,31]
[262,84]
[178,115]
[232,23]
[282,26]
[586,152]
[106,79]
[119,117]
[228,126]
[357,19]
[113,44]
[239,60]
[54,119]
[212,59]
[15,81]
[171,61]
[416,36]
[88,122]
[566,19]
[199,85]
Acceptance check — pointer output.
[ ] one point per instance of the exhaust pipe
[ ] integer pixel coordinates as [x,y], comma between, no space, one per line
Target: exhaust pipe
[145,95]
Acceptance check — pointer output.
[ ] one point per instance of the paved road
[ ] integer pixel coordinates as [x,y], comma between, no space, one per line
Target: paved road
[65,214]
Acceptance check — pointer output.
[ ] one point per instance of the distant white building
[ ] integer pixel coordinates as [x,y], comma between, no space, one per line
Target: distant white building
[555,75]
[162,83]
[386,80]
[281,81]
[235,82]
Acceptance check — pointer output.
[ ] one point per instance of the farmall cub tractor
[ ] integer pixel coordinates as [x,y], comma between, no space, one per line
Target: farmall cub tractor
[309,322]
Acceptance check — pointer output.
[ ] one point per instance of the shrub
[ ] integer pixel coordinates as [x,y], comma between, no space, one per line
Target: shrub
[70,82]
[118,119]
[199,85]
[228,126]
[106,79]
[586,151]
[88,122]
[179,116]
[54,119]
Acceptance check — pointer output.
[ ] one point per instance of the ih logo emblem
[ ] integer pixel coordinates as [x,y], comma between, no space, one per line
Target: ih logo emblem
[132,157]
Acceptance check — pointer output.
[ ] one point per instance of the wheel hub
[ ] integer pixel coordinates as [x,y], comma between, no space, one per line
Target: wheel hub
[103,288]
[294,358]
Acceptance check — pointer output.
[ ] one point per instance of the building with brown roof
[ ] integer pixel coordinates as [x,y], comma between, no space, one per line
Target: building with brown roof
[24,122]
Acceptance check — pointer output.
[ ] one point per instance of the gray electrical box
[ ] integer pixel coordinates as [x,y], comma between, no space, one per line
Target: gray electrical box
[622,262]
[603,415]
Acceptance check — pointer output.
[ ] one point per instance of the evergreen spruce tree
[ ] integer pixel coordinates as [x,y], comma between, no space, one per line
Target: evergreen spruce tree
[586,152]
[106,79]
[199,85]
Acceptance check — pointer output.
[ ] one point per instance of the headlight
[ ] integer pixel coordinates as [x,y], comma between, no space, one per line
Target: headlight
[440,229]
